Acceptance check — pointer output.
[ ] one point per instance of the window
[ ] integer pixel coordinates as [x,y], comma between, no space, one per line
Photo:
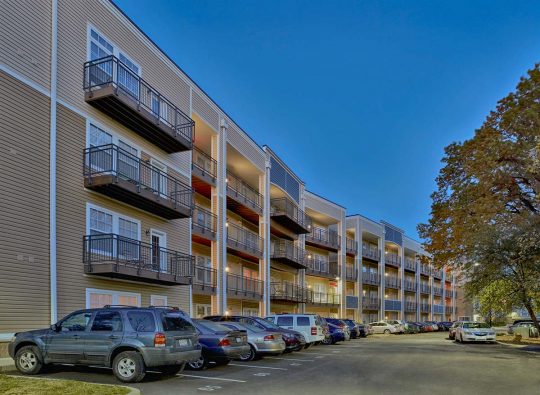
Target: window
[100,222]
[107,321]
[159,178]
[158,300]
[128,161]
[203,310]
[141,321]
[303,321]
[76,322]
[203,276]
[285,321]
[96,298]
[249,311]
[175,322]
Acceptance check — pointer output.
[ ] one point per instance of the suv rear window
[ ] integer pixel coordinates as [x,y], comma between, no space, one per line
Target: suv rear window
[174,322]
[285,321]
[302,321]
[142,321]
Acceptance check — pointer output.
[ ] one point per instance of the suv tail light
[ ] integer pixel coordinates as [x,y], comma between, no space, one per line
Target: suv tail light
[268,338]
[159,340]
[313,330]
[224,342]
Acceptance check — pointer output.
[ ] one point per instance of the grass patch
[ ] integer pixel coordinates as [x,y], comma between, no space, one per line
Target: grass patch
[15,385]
[511,339]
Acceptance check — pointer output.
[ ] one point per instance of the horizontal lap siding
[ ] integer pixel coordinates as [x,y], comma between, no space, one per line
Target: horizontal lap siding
[319,205]
[72,198]
[25,38]
[24,184]
[242,143]
[204,110]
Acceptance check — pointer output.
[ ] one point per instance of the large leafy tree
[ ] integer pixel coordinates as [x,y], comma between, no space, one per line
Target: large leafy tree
[495,301]
[485,217]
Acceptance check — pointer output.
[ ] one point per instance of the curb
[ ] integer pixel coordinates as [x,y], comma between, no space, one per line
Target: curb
[522,347]
[8,368]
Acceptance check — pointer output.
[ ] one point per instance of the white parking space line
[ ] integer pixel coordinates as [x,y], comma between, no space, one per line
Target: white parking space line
[292,359]
[255,366]
[318,353]
[210,378]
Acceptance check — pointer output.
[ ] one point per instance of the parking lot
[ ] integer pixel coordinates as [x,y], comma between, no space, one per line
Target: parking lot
[381,364]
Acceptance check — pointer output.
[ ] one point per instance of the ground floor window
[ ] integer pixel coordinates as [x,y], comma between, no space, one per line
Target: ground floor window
[250,311]
[158,300]
[203,310]
[96,298]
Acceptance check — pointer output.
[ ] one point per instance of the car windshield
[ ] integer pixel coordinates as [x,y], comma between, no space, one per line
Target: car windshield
[211,326]
[267,324]
[475,325]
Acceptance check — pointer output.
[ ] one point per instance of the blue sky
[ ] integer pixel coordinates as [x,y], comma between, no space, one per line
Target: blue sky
[358,97]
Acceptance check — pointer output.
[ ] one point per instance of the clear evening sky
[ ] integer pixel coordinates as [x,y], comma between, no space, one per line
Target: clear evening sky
[358,97]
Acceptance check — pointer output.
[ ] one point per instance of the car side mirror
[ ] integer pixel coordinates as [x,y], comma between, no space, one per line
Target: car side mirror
[55,327]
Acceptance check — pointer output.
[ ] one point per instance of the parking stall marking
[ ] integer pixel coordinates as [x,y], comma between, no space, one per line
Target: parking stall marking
[320,353]
[210,388]
[292,359]
[256,366]
[261,374]
[210,378]
[296,364]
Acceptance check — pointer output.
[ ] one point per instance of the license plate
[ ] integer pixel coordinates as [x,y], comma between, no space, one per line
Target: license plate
[239,340]
[183,342]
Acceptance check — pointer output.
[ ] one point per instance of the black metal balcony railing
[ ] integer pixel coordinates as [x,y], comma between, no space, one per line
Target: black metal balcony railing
[392,259]
[324,298]
[244,240]
[284,211]
[244,286]
[204,223]
[205,279]
[371,278]
[289,292]
[410,285]
[449,293]
[425,269]
[392,282]
[287,252]
[203,165]
[326,238]
[244,191]
[449,309]
[318,266]
[392,304]
[351,246]
[425,288]
[437,291]
[370,251]
[437,273]
[351,273]
[122,257]
[370,303]
[410,264]
[425,307]
[144,109]
[410,306]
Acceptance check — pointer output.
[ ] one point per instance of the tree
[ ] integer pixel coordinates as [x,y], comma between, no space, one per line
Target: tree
[495,301]
[485,214]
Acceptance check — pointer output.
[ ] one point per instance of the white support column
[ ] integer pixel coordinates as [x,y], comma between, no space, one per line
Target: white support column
[401,272]
[358,265]
[418,295]
[342,282]
[382,270]
[264,232]
[302,244]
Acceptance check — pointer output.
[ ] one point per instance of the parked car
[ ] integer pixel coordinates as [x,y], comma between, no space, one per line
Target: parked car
[434,326]
[127,339]
[383,327]
[445,325]
[342,324]
[294,340]
[519,324]
[452,330]
[398,324]
[368,329]
[474,331]
[219,344]
[411,327]
[261,342]
[337,334]
[354,328]
[312,326]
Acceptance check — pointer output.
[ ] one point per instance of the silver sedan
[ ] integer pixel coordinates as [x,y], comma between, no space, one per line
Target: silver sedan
[261,342]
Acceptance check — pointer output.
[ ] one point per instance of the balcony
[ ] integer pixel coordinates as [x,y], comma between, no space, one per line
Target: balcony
[410,264]
[351,302]
[113,88]
[437,291]
[204,281]
[410,306]
[203,226]
[371,252]
[392,305]
[351,246]
[351,274]
[449,310]
[244,287]
[438,309]
[320,298]
[371,278]
[323,238]
[287,252]
[448,293]
[437,273]
[370,303]
[425,288]
[243,199]
[203,172]
[425,307]
[111,255]
[316,266]
[425,269]
[410,286]
[392,282]
[244,243]
[289,292]
[286,213]
[116,173]
[392,259]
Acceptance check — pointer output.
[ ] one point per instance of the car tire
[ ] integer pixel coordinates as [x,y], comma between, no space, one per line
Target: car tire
[461,338]
[171,370]
[28,360]
[249,356]
[199,364]
[386,332]
[308,346]
[128,367]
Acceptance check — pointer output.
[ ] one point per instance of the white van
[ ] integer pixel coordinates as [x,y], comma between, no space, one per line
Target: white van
[310,325]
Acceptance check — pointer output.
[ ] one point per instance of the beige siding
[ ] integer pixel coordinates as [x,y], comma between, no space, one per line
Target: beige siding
[24,184]
[72,199]
[322,206]
[204,110]
[242,143]
[25,38]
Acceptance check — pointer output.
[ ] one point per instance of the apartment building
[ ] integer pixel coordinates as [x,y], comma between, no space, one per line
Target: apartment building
[174,203]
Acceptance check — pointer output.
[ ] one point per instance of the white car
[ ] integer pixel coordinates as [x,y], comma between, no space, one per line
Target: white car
[399,324]
[310,325]
[383,327]
[474,332]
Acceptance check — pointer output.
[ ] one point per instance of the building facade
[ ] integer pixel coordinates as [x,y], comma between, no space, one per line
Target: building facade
[125,183]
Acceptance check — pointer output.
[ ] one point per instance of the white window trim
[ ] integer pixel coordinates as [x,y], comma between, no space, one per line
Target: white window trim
[205,305]
[114,295]
[115,136]
[158,233]
[116,216]
[153,297]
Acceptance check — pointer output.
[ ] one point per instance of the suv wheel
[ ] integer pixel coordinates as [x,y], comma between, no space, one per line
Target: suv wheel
[198,364]
[249,356]
[28,360]
[128,366]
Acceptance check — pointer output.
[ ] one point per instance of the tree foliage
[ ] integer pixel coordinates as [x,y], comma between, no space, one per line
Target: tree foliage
[495,301]
[485,216]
